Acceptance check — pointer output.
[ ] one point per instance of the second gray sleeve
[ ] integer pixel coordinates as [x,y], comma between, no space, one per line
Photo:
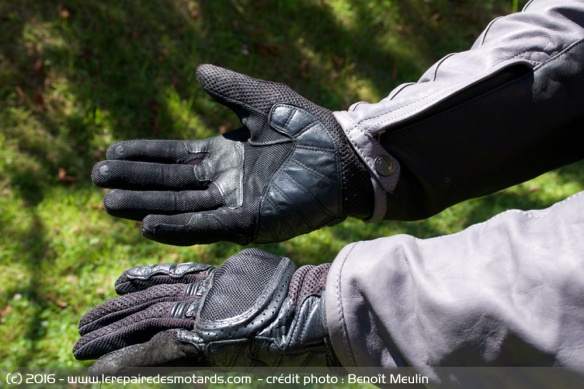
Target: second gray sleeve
[507,292]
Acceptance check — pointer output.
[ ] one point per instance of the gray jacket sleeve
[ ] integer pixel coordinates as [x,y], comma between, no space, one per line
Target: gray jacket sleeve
[507,292]
[478,121]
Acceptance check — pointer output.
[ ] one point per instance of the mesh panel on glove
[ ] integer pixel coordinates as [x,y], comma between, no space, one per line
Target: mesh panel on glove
[112,310]
[306,281]
[232,279]
[137,328]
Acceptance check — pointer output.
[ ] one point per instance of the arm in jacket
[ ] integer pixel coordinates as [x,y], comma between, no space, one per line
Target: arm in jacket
[505,111]
[507,292]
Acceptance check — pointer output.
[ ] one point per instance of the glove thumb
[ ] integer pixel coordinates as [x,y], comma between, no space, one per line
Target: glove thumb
[163,350]
[250,98]
[237,91]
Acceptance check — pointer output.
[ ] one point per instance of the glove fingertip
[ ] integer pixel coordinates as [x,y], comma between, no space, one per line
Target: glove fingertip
[223,84]
[101,173]
[112,201]
[207,75]
[116,151]
[123,285]
[203,69]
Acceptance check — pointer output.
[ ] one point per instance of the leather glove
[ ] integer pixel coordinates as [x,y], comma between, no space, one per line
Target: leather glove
[255,310]
[288,171]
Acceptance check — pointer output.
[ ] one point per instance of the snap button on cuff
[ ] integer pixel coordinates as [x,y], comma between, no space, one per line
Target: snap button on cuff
[384,165]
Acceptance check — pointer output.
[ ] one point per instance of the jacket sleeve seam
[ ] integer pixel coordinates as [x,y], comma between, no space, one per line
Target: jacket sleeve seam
[432,99]
[342,322]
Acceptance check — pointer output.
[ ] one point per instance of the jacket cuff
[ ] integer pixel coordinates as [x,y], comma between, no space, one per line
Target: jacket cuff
[383,167]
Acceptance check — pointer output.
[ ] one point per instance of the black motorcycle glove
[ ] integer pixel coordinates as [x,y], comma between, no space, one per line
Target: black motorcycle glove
[288,171]
[256,310]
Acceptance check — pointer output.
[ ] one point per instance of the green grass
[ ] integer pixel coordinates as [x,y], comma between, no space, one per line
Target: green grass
[78,75]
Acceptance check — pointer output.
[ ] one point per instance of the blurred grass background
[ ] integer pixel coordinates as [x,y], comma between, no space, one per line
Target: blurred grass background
[78,75]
